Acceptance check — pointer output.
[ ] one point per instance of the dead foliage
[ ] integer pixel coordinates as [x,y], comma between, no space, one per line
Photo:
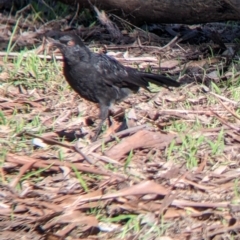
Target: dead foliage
[139,183]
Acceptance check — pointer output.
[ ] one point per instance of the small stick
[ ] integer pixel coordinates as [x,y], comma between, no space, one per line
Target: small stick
[75,148]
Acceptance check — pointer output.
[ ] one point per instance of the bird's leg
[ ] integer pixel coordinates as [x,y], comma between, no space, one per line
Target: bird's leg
[103,116]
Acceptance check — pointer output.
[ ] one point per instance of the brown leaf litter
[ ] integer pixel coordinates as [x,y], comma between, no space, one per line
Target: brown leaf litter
[54,187]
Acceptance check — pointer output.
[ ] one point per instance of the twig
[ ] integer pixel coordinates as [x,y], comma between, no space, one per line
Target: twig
[207,112]
[25,55]
[174,40]
[75,16]
[224,122]
[49,8]
[89,160]
[23,9]
[229,110]
[128,23]
[106,159]
[50,141]
[223,98]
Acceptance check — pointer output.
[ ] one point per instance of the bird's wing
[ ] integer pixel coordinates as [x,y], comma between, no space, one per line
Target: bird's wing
[115,74]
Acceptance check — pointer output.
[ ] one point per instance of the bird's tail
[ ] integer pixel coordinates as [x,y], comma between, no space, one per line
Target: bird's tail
[160,80]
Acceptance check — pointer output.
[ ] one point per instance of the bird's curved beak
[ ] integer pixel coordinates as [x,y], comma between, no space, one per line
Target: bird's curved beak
[54,43]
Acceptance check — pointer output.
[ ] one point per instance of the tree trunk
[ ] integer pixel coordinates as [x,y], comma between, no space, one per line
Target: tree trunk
[168,11]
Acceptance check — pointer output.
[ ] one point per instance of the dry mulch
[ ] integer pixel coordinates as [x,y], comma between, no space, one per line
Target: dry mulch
[54,187]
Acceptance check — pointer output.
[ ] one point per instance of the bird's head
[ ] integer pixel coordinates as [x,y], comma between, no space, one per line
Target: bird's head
[72,47]
[71,40]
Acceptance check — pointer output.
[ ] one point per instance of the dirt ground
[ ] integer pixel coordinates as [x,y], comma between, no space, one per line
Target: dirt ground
[172,174]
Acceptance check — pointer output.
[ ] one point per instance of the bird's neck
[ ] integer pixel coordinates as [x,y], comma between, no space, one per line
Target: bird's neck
[77,56]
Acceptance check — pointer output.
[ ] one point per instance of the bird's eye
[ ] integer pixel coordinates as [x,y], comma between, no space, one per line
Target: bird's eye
[71,43]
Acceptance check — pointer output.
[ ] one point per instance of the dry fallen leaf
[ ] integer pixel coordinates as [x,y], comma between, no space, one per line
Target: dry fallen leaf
[141,139]
[169,64]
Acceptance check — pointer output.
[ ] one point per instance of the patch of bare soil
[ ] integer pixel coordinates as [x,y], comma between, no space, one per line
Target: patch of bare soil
[173,174]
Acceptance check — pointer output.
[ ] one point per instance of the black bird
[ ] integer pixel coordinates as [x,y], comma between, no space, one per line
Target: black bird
[100,78]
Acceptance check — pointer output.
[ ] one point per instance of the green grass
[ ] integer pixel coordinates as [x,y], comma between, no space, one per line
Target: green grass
[42,83]
[82,182]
